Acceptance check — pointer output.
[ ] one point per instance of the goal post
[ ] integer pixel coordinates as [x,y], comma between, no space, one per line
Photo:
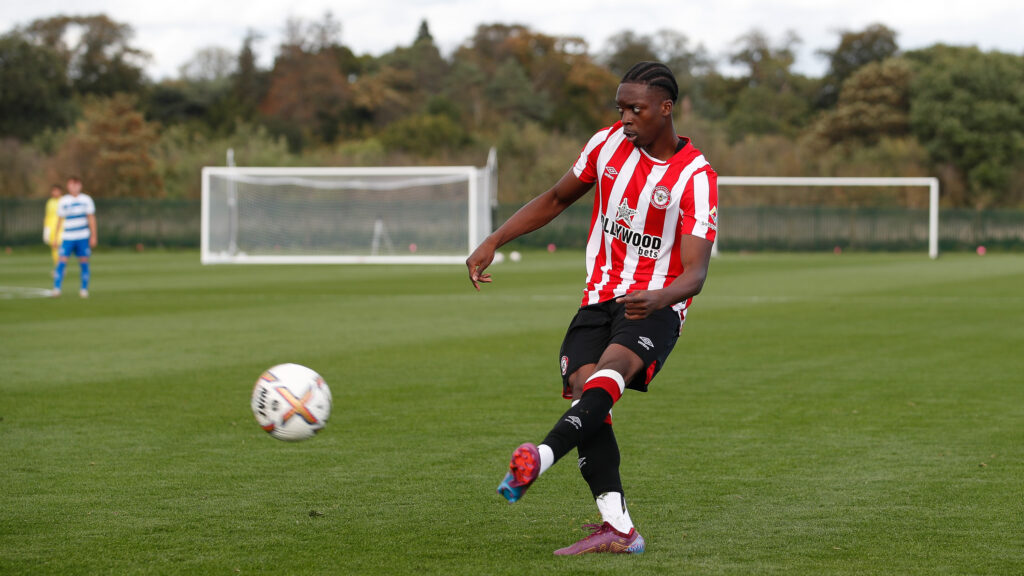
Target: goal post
[931,183]
[345,215]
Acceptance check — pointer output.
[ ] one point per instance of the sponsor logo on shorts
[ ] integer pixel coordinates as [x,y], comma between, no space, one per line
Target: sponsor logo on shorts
[565,365]
[660,197]
[575,421]
[646,342]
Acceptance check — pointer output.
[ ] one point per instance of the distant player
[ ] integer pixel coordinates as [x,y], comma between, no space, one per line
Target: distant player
[654,221]
[76,217]
[51,232]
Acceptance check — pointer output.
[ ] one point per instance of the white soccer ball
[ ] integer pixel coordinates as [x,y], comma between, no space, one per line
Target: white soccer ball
[499,257]
[515,256]
[291,402]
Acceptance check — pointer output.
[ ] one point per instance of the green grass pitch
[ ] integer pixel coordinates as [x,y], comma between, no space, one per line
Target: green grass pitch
[853,414]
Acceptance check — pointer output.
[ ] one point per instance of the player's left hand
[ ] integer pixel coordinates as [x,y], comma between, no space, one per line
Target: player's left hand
[92,242]
[641,304]
[477,262]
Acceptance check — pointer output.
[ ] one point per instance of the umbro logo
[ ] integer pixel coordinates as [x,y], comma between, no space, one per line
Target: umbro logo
[581,462]
[575,421]
[611,172]
[645,342]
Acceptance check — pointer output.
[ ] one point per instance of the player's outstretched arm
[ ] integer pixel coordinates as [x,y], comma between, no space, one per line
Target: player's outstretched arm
[696,255]
[535,214]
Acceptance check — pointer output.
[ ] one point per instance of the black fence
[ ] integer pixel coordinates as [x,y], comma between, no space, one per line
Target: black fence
[759,228]
[175,223]
[119,222]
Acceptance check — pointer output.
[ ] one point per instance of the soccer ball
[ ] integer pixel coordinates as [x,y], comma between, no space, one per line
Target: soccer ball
[291,402]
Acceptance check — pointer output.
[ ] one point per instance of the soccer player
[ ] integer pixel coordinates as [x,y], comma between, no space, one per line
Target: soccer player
[654,222]
[76,216]
[51,232]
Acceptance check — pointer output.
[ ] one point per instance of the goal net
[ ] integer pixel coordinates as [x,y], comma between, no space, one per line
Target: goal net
[427,215]
[796,213]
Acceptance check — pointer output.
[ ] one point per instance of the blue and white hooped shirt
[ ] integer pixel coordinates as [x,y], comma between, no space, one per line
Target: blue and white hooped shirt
[74,210]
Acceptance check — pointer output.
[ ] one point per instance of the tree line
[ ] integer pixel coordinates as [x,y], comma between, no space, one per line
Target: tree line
[74,98]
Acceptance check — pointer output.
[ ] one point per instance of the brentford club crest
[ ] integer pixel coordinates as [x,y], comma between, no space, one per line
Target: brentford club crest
[660,197]
[565,365]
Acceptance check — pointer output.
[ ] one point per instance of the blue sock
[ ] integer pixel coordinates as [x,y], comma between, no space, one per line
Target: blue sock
[59,279]
[84,266]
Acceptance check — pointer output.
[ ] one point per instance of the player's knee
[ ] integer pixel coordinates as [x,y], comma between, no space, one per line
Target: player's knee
[577,387]
[622,360]
[578,380]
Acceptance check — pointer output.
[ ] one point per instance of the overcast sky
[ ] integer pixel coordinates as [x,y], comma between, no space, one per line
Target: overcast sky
[173,31]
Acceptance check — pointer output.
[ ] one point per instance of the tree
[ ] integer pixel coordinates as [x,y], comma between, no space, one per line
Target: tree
[585,101]
[512,96]
[673,48]
[34,90]
[205,104]
[875,43]
[249,82]
[874,104]
[967,109]
[111,148]
[384,97]
[209,64]
[307,93]
[766,64]
[666,46]
[425,134]
[20,170]
[202,96]
[423,61]
[626,49]
[510,73]
[306,97]
[771,98]
[96,52]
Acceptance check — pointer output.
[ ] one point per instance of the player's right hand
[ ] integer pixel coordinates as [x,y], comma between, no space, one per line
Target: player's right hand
[477,262]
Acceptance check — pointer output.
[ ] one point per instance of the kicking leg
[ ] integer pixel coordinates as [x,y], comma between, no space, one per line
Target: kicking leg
[600,391]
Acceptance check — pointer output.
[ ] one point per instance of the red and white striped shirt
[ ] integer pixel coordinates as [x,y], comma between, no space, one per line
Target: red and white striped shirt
[642,208]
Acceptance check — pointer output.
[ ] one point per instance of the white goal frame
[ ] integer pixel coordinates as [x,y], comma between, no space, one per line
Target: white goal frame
[482,196]
[930,182]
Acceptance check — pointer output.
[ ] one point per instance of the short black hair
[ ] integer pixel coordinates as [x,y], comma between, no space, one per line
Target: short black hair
[74,178]
[653,74]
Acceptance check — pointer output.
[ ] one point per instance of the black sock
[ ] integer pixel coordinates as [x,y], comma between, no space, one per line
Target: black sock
[579,422]
[599,461]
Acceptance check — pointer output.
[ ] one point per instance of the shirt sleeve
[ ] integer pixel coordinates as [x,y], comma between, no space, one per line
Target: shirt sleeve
[699,206]
[586,165]
[90,206]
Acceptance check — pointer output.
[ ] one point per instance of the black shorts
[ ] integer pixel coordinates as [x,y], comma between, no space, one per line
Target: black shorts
[597,326]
